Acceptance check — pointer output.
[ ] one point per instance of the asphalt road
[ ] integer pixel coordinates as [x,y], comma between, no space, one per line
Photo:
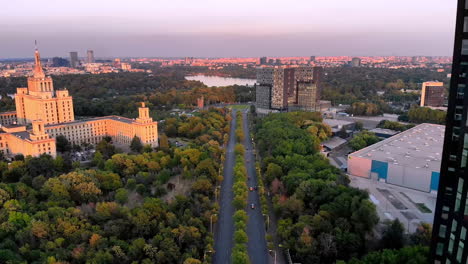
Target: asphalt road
[225,226]
[256,247]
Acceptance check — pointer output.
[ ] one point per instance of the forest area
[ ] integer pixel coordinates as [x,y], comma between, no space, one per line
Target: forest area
[120,93]
[117,210]
[321,218]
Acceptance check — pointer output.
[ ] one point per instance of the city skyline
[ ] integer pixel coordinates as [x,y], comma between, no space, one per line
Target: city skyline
[228,29]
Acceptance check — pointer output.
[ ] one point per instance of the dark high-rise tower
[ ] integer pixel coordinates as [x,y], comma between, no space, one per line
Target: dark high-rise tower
[74,59]
[449,236]
[90,58]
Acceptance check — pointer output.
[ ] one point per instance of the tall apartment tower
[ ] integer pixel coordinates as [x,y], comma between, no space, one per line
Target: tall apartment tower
[275,79]
[356,62]
[449,234]
[263,60]
[74,59]
[432,94]
[288,88]
[90,56]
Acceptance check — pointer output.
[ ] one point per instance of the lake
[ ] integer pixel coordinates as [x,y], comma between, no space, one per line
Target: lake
[216,81]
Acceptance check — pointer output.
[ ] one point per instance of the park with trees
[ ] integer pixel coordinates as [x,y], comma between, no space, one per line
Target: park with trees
[321,219]
[118,209]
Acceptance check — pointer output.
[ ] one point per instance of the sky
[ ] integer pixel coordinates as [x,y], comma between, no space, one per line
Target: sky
[227,28]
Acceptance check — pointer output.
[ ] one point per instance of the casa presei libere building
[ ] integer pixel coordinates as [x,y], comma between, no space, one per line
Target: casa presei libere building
[43,113]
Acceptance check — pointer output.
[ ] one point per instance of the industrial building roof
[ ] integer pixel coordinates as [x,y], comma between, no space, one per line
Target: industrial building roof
[333,142]
[418,147]
[384,131]
[336,122]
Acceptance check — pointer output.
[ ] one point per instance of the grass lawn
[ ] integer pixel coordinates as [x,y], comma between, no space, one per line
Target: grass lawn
[423,208]
[239,107]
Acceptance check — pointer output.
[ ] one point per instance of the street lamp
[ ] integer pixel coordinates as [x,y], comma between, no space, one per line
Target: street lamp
[268,220]
[216,192]
[204,254]
[211,222]
[275,254]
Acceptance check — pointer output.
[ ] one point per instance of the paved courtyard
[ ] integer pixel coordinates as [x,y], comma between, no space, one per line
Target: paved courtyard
[411,207]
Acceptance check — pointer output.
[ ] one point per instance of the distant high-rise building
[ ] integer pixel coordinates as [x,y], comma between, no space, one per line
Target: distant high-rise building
[274,78]
[290,82]
[263,60]
[74,59]
[281,88]
[432,94]
[262,96]
[450,228]
[356,62]
[278,62]
[307,98]
[90,58]
[117,63]
[301,74]
[318,78]
[60,62]
[312,58]
[271,61]
[201,102]
[188,60]
[125,66]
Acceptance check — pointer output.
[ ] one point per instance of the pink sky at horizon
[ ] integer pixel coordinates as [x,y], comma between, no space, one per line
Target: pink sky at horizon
[253,27]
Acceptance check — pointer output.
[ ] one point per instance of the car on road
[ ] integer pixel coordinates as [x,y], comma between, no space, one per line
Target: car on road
[252,206]
[251,188]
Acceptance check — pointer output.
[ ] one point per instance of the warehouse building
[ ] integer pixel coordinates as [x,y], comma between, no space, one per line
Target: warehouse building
[409,159]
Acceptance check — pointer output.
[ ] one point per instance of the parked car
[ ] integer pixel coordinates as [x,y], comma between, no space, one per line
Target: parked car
[252,206]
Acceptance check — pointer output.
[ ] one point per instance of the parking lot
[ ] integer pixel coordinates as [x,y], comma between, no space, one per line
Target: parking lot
[411,207]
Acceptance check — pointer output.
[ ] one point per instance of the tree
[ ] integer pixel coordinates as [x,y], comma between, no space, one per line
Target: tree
[358,125]
[192,261]
[413,255]
[163,142]
[426,115]
[121,195]
[62,144]
[393,235]
[272,172]
[240,237]
[362,140]
[106,148]
[98,160]
[147,148]
[136,145]
[422,236]
[240,257]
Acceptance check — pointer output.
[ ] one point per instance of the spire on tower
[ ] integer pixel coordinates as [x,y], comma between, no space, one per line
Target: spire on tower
[38,72]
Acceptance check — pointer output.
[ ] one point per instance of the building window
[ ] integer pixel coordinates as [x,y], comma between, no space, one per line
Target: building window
[451,243]
[442,231]
[454,225]
[440,249]
[464,47]
[461,246]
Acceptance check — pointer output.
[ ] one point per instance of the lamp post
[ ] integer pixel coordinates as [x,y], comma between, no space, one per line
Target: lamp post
[216,192]
[211,222]
[275,255]
[268,220]
[204,254]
